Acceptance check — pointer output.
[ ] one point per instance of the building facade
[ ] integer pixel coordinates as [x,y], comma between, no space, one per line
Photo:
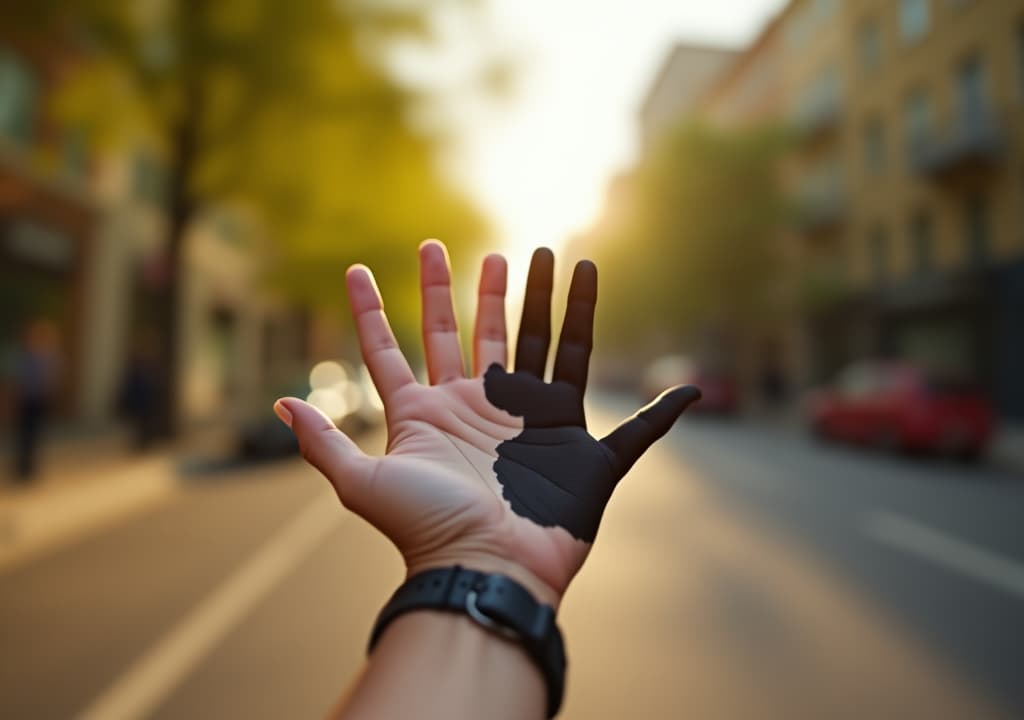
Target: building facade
[907,173]
[683,77]
[915,233]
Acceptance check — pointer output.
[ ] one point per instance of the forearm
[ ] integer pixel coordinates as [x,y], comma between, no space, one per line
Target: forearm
[431,664]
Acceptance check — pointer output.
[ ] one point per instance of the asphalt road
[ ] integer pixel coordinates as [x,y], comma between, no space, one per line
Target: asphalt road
[741,572]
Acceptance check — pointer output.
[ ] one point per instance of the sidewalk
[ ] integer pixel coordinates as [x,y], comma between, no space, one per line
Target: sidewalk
[80,489]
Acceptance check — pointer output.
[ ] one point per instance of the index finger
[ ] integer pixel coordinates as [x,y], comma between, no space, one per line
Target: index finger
[385,361]
[440,329]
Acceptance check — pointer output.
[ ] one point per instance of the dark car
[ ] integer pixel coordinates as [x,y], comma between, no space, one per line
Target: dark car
[899,406]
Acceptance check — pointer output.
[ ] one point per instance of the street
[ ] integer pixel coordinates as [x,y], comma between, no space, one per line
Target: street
[741,571]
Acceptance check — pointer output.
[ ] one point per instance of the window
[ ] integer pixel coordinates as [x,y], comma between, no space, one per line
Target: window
[977,229]
[917,118]
[17,99]
[819,103]
[869,46]
[878,253]
[915,19]
[921,242]
[874,147]
[972,107]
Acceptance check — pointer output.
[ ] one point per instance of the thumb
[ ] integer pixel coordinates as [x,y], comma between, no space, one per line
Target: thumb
[632,438]
[325,447]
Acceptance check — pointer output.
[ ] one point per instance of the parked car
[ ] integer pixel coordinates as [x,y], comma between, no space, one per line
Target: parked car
[899,406]
[719,389]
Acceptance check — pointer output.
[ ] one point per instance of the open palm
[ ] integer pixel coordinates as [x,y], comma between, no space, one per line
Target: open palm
[494,471]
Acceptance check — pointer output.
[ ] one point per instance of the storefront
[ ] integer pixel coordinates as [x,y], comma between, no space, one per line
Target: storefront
[968,324]
[44,248]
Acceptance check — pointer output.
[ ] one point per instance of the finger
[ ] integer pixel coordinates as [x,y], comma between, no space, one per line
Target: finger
[440,330]
[535,326]
[325,447]
[632,438]
[577,339]
[490,342]
[385,361]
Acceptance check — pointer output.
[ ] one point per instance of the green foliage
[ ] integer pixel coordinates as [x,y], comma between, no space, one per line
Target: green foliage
[700,244]
[275,107]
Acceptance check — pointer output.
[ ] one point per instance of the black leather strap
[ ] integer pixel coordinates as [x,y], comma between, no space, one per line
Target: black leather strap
[494,601]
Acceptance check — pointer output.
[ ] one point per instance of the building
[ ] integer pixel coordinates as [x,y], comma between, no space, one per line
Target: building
[749,89]
[911,118]
[682,79]
[753,90]
[82,238]
[907,174]
[47,217]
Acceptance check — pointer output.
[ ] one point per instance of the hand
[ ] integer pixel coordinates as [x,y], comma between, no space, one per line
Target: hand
[497,471]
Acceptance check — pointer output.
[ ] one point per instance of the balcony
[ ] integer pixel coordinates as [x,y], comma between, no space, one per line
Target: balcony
[818,117]
[818,109]
[821,203]
[974,145]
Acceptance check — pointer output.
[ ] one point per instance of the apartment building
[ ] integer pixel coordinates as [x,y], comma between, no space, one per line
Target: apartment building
[925,182]
[683,77]
[750,89]
[907,172]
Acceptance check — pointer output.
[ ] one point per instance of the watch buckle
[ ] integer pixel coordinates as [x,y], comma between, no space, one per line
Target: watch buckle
[485,621]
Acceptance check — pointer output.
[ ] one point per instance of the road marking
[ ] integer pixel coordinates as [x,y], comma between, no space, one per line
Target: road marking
[141,689]
[912,537]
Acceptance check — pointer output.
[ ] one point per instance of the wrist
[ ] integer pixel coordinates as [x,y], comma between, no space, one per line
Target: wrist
[495,602]
[488,563]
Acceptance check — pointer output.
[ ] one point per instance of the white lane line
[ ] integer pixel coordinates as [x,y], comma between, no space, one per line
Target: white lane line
[912,537]
[141,689]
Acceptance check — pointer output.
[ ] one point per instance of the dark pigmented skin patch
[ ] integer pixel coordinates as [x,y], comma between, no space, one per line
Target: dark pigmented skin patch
[554,472]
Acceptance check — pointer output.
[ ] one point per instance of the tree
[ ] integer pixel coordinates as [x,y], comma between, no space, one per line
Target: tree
[700,247]
[274,106]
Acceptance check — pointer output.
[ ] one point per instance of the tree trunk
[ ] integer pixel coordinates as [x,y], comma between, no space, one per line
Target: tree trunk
[181,208]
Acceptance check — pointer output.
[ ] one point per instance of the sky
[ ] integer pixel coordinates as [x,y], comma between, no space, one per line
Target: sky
[539,167]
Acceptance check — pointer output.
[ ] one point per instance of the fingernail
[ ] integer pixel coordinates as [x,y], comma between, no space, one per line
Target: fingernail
[283,413]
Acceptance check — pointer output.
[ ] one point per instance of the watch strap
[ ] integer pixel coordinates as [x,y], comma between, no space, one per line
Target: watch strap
[494,601]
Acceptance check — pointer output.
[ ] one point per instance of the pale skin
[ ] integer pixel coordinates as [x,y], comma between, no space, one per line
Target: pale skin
[435,496]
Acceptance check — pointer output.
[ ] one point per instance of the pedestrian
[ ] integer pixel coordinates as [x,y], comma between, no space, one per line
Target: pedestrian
[491,489]
[139,390]
[36,377]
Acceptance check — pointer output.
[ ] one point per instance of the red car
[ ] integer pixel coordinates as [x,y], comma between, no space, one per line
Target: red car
[898,406]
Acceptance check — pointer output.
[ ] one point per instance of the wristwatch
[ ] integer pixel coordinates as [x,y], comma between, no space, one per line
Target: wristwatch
[497,603]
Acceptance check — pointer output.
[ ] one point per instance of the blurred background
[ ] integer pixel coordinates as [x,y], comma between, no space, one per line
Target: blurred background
[812,209]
